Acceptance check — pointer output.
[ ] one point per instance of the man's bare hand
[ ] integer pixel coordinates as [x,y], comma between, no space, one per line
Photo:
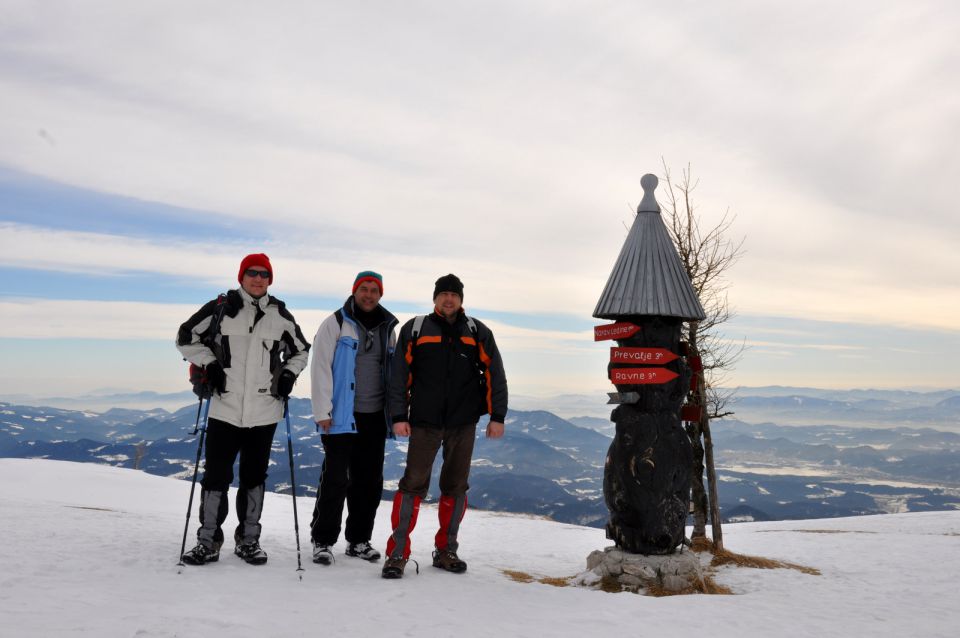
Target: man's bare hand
[401,428]
[494,430]
[324,425]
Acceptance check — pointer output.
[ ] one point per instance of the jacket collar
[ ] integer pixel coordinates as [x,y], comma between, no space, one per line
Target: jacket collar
[461,314]
[349,312]
[440,320]
[261,303]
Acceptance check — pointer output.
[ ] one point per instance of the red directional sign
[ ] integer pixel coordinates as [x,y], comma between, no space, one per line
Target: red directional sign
[643,356]
[641,376]
[619,330]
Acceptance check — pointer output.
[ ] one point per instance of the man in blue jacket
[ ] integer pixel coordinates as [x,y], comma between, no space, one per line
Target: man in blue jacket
[349,372]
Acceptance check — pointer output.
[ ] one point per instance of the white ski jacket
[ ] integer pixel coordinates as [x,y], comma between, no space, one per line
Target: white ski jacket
[257,340]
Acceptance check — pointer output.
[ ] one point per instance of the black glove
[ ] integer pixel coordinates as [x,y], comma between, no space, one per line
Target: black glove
[285,384]
[216,377]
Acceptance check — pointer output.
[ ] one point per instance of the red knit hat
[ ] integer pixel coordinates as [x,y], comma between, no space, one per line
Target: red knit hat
[252,261]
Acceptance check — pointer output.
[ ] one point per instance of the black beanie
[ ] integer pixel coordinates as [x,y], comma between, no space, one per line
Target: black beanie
[448,283]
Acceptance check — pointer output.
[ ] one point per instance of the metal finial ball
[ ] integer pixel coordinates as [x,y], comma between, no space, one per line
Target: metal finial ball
[649,203]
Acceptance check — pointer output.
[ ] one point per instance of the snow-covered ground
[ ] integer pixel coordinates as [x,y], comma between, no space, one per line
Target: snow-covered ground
[90,550]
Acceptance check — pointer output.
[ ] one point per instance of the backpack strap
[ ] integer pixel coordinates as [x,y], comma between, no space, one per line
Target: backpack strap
[197,374]
[213,329]
[474,331]
[417,325]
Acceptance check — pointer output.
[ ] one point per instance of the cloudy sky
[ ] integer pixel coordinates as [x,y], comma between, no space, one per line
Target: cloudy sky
[145,147]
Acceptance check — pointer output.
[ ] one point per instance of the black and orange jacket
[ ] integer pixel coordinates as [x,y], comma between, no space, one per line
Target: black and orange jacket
[449,377]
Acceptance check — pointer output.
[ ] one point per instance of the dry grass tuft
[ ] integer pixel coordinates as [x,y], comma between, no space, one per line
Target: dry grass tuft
[725,557]
[554,581]
[701,544]
[710,586]
[611,585]
[706,586]
[524,577]
[520,577]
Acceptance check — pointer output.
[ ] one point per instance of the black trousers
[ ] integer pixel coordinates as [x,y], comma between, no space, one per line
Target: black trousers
[352,472]
[224,443]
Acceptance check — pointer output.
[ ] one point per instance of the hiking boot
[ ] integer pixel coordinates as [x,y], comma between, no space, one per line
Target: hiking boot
[448,560]
[322,554]
[201,555]
[251,553]
[393,567]
[363,550]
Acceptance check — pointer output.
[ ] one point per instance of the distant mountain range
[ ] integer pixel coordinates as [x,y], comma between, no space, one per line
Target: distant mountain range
[550,466]
[544,465]
[772,472]
[878,408]
[106,400]
[790,405]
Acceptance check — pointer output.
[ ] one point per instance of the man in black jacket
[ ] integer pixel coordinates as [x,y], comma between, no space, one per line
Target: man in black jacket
[446,374]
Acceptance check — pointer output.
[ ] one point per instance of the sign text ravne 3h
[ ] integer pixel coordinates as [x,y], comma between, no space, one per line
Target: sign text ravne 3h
[641,376]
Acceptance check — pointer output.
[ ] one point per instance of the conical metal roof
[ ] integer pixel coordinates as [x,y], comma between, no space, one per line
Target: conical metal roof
[649,278]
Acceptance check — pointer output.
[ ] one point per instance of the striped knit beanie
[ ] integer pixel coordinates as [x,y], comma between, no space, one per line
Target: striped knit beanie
[368,275]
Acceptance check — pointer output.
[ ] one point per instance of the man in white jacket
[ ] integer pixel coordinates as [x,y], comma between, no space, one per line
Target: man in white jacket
[348,376]
[251,350]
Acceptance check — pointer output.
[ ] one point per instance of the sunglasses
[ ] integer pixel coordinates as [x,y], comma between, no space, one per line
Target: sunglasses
[252,272]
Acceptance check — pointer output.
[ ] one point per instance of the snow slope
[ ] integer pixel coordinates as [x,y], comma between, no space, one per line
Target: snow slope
[90,550]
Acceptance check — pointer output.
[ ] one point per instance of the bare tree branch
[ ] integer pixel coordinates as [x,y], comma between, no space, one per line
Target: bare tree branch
[707,255]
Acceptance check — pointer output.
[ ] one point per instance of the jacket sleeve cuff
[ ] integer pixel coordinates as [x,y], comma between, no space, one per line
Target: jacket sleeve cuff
[397,418]
[498,418]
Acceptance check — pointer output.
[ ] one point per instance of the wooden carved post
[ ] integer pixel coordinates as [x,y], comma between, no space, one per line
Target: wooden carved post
[646,481]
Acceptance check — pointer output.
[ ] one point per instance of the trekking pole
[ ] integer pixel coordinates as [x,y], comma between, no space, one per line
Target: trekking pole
[196,466]
[293,485]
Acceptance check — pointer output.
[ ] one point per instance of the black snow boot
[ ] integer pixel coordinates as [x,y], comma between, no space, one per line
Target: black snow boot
[448,560]
[201,555]
[251,552]
[363,550]
[393,567]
